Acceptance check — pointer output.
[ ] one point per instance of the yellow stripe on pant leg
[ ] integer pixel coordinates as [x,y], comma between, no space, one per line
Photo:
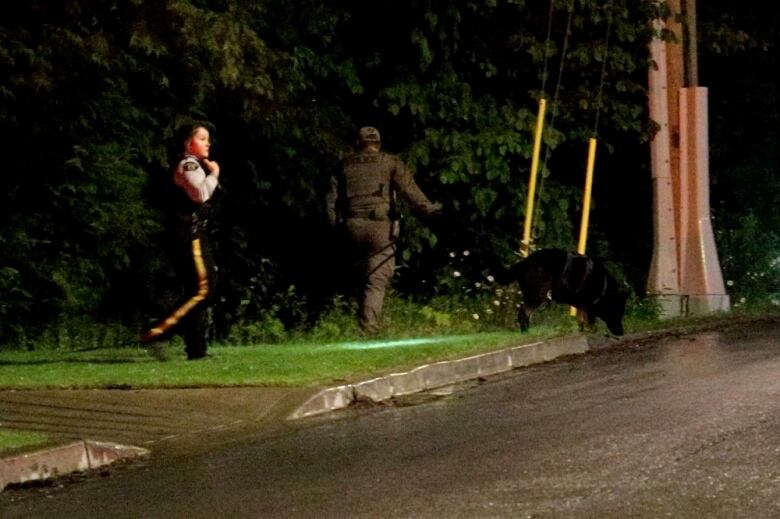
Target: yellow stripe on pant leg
[200,295]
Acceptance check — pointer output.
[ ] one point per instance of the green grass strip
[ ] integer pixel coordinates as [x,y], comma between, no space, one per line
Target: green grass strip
[12,439]
[251,365]
[287,364]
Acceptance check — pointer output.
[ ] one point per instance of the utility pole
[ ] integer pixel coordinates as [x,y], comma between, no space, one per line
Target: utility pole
[685,276]
[663,282]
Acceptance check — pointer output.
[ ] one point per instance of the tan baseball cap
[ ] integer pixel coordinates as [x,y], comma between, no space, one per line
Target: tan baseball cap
[368,134]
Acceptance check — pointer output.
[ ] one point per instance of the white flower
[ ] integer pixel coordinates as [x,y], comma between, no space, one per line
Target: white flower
[456,274]
[742,299]
[452,254]
[488,311]
[466,253]
[730,283]
[477,284]
[491,278]
[496,302]
[475,317]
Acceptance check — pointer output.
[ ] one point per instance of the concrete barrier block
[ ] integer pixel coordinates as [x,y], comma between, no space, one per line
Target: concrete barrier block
[437,374]
[100,454]
[326,400]
[43,464]
[376,390]
[495,362]
[407,383]
[466,369]
[527,354]
[63,460]
[565,346]
[445,373]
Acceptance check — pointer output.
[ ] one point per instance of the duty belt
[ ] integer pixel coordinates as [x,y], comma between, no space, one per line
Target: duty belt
[369,214]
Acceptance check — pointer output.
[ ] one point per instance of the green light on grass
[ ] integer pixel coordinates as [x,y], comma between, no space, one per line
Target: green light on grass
[399,343]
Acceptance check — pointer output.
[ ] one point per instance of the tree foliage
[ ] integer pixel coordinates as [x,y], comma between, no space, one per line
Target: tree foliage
[92,92]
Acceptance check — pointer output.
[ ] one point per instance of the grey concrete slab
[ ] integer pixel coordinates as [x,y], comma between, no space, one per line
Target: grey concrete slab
[494,362]
[527,354]
[101,454]
[326,400]
[407,383]
[376,389]
[573,345]
[439,374]
[466,369]
[64,459]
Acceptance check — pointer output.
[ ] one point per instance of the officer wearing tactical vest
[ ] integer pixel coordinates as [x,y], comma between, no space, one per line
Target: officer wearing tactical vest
[362,199]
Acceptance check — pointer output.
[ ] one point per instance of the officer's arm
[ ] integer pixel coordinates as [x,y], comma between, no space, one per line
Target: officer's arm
[404,184]
[191,177]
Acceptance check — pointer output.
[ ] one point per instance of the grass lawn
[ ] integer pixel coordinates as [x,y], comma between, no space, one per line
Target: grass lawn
[12,439]
[258,365]
[287,364]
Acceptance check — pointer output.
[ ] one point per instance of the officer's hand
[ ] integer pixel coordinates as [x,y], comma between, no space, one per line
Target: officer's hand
[212,166]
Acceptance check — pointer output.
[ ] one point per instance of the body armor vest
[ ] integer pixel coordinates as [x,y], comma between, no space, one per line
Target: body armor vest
[192,213]
[366,186]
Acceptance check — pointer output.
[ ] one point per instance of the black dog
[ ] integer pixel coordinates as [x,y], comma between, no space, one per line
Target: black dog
[569,279]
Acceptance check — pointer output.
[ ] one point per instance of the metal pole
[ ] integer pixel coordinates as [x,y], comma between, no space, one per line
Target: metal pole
[586,198]
[525,245]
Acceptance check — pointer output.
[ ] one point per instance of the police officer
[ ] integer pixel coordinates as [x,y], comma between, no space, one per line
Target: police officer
[362,199]
[196,180]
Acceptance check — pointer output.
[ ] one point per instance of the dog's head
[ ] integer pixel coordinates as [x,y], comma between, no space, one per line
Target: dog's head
[611,310]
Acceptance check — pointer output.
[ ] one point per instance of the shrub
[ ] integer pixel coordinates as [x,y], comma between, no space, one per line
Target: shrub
[750,259]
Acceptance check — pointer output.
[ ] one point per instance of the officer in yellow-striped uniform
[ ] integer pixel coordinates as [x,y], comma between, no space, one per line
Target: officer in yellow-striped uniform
[362,200]
[197,179]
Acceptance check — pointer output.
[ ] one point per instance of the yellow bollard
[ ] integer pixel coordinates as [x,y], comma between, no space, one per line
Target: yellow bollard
[586,196]
[525,245]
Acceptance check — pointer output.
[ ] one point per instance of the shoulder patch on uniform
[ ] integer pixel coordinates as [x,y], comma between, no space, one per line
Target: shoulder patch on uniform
[190,166]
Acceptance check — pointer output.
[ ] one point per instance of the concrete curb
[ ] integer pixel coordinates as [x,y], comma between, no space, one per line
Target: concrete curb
[430,376]
[63,460]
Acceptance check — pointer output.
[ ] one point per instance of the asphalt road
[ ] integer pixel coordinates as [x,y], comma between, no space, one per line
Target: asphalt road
[688,427]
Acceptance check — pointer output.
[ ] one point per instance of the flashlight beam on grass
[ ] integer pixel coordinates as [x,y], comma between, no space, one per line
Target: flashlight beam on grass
[398,343]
